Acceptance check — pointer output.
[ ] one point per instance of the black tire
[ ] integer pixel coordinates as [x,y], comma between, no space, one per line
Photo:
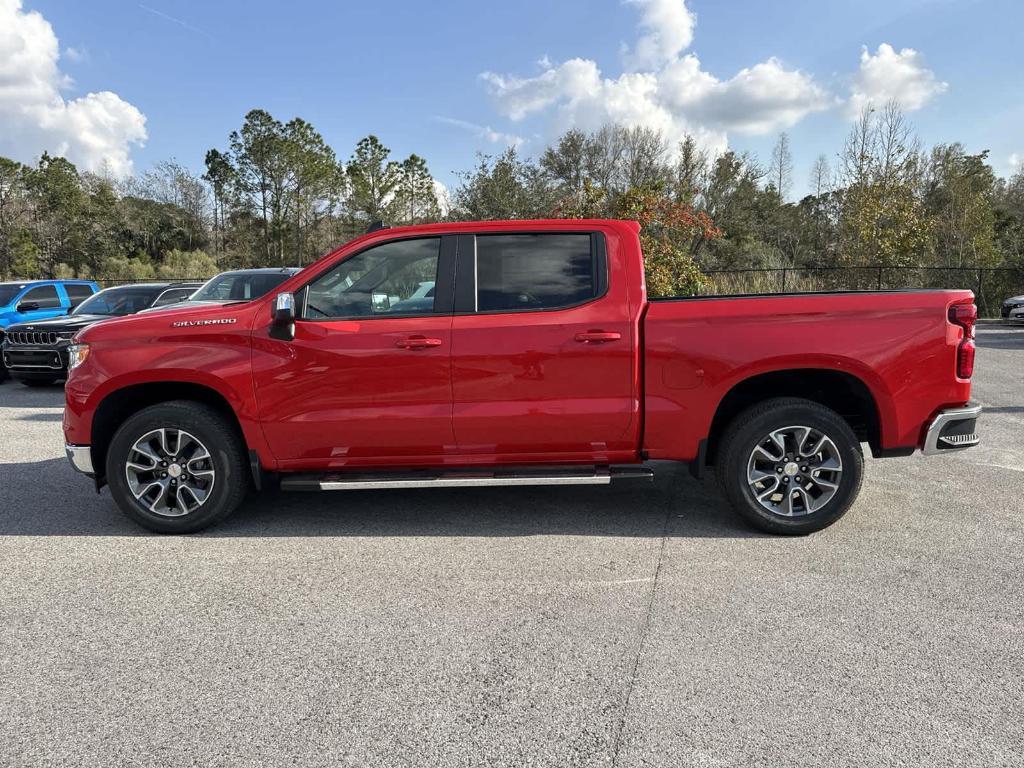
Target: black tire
[751,427]
[226,454]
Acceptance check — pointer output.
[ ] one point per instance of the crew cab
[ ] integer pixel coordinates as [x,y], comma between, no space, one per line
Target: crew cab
[36,353]
[540,361]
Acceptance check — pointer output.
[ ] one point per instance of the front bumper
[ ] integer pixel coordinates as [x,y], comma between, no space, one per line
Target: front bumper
[952,430]
[47,361]
[80,457]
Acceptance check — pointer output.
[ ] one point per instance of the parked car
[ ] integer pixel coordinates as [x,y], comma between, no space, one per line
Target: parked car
[1013,308]
[176,294]
[238,285]
[38,300]
[540,361]
[35,353]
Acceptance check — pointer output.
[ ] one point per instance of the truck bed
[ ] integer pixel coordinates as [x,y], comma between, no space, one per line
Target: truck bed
[897,344]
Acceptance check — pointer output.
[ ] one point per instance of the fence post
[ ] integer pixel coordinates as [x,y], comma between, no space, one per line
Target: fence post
[977,294]
[879,278]
[784,271]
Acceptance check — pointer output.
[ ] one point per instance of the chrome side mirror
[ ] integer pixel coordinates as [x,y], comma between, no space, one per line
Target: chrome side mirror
[282,316]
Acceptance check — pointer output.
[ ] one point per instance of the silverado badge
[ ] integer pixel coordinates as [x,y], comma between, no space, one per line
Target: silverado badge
[190,323]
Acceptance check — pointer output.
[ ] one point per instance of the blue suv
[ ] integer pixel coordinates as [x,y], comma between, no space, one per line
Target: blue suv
[28,300]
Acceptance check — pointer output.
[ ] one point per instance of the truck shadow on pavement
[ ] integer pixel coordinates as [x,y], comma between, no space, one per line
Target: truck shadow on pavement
[46,498]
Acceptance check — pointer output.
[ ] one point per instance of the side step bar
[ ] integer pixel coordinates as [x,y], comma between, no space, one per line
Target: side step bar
[352,481]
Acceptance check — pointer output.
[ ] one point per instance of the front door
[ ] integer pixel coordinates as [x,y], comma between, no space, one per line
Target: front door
[542,351]
[40,303]
[367,378]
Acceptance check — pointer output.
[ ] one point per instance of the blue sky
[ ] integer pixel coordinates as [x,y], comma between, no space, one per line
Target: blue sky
[733,71]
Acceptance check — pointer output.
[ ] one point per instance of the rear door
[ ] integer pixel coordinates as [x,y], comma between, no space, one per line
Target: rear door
[542,350]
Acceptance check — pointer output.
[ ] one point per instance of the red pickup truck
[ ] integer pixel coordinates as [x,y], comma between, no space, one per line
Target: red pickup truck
[514,353]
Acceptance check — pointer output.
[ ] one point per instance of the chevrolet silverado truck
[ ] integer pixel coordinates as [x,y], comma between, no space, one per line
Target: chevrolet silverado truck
[540,360]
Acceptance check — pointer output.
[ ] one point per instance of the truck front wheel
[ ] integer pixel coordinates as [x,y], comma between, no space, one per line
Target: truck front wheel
[790,466]
[177,467]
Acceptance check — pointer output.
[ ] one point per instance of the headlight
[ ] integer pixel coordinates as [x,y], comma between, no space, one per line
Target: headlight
[76,355]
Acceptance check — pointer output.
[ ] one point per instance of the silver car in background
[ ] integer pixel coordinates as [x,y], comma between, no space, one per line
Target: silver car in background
[1013,309]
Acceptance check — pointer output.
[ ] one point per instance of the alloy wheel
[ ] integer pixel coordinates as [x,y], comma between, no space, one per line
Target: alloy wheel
[794,471]
[170,472]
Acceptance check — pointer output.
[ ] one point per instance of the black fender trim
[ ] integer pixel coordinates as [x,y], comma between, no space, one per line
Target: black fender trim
[256,469]
[698,465]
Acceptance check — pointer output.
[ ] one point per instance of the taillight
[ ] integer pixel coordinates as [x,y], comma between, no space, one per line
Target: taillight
[966,316]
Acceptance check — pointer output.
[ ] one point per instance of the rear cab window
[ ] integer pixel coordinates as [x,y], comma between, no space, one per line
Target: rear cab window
[77,293]
[544,271]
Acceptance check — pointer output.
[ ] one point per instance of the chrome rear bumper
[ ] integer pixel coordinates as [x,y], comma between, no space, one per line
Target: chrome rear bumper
[80,457]
[952,430]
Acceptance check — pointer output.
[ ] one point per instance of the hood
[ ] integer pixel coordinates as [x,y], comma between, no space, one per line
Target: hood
[64,323]
[1015,300]
[178,318]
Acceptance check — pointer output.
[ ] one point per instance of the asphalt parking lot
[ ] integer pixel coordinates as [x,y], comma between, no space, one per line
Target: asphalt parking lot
[541,627]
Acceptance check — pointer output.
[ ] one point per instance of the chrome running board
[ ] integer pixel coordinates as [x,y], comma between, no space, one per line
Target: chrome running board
[472,478]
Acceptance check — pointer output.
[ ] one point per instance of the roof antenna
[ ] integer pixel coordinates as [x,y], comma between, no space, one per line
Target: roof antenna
[376,225]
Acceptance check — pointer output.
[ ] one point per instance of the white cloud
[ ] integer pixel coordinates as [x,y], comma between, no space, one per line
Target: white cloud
[665,88]
[1016,160]
[483,131]
[76,54]
[759,99]
[667,31]
[672,94]
[890,75]
[95,131]
[444,198]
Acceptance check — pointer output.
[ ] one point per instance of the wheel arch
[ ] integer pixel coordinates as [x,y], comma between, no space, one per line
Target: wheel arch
[120,404]
[843,392]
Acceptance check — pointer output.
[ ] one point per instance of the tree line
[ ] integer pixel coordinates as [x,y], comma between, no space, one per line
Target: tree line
[277,194]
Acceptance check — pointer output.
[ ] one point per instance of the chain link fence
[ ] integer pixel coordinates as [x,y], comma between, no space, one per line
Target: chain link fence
[990,285]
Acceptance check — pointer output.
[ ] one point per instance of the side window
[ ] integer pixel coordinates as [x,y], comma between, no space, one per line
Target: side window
[78,293]
[395,278]
[44,295]
[173,296]
[523,272]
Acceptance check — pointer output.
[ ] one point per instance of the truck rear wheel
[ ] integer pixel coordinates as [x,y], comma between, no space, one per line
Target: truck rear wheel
[177,467]
[790,466]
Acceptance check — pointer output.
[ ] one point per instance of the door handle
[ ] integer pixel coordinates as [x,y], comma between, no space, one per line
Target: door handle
[417,342]
[597,337]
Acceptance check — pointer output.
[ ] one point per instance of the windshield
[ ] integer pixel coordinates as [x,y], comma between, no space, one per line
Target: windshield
[116,302]
[8,292]
[239,286]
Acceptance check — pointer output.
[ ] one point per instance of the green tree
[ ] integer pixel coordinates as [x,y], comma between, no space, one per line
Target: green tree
[374,180]
[257,155]
[220,174]
[415,197]
[13,211]
[668,230]
[504,187]
[178,265]
[959,195]
[59,223]
[313,188]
